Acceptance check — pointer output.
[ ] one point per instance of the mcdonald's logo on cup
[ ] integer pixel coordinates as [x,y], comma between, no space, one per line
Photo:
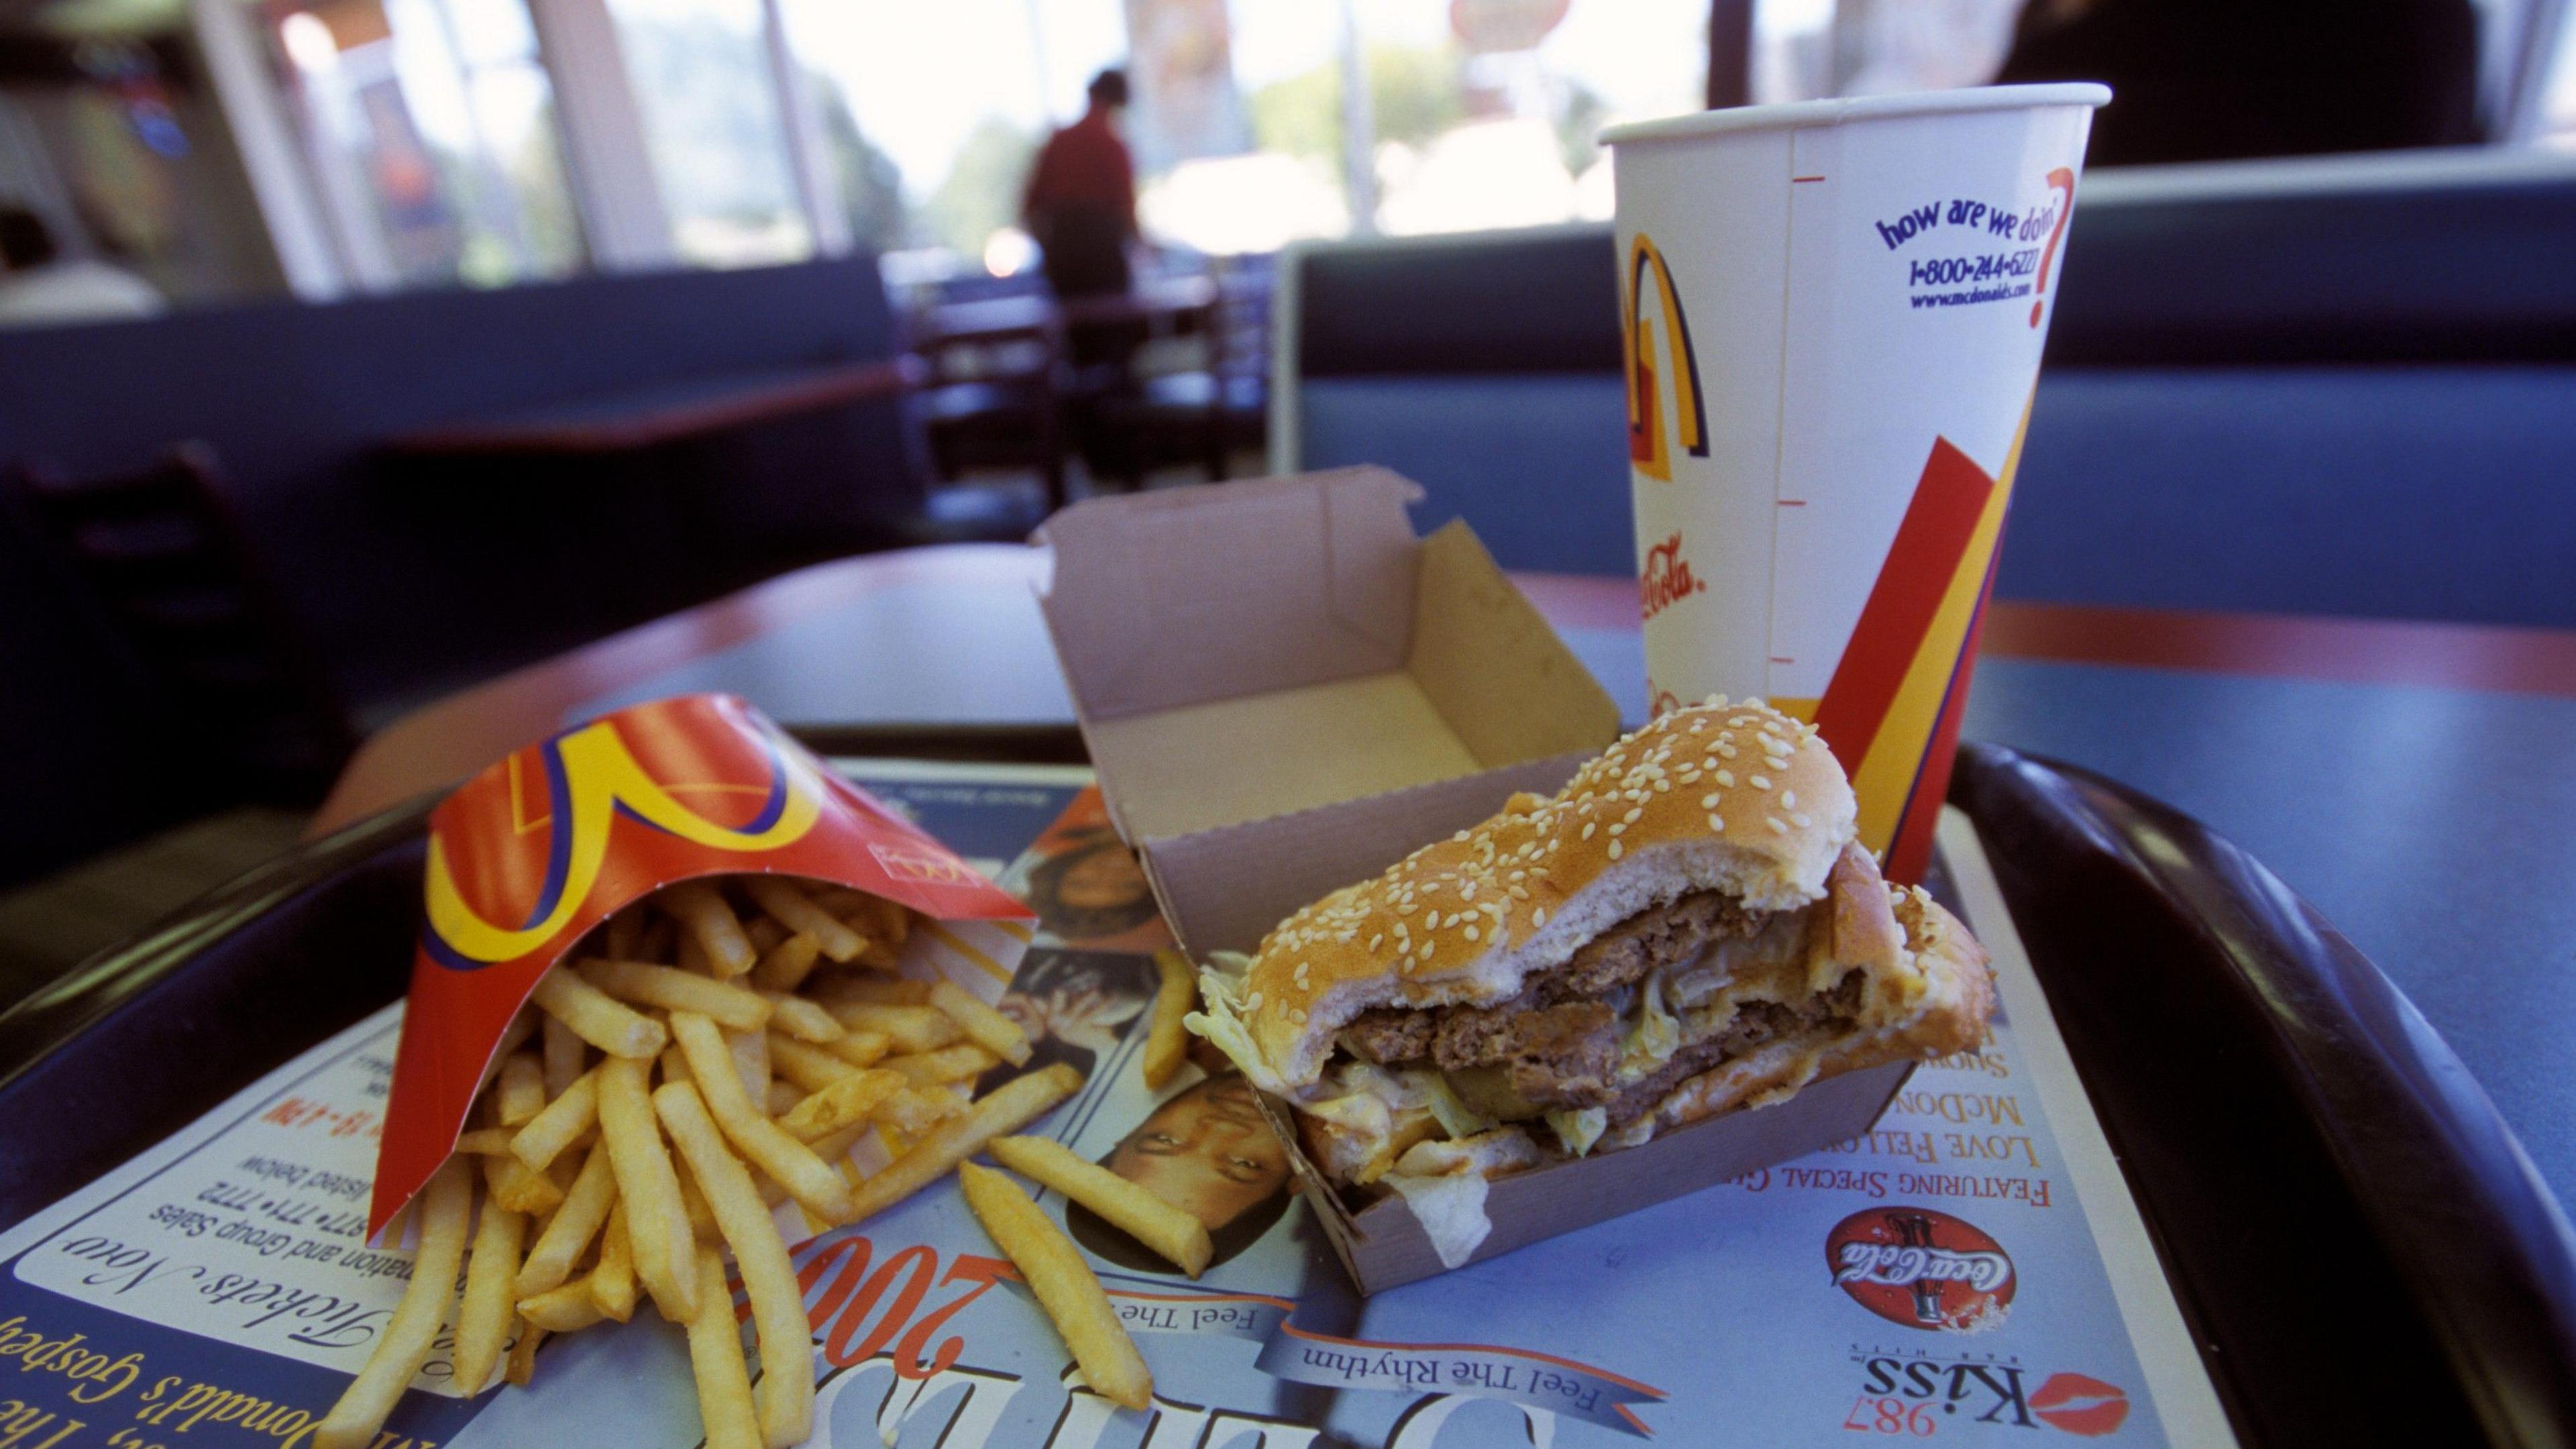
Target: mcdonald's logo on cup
[1831,316]
[1650,417]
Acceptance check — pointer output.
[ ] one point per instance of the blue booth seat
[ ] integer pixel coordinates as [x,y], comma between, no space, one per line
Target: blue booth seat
[2342,386]
[421,575]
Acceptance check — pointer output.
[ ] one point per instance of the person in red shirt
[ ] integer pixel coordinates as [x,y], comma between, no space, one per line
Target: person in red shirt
[1080,204]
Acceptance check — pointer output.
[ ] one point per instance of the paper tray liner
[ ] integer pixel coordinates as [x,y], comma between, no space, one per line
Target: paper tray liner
[529,855]
[1383,1246]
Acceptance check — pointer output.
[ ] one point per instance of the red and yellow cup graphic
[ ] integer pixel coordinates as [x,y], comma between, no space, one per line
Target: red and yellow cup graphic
[1832,315]
[527,856]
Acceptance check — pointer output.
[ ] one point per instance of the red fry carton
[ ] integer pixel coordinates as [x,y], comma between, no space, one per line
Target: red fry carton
[527,856]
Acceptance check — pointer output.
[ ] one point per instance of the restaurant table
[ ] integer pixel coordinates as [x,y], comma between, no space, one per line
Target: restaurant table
[2415,781]
[660,413]
[1167,302]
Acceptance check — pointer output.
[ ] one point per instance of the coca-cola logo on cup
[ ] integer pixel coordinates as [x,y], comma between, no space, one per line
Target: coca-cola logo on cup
[1666,578]
[1922,1268]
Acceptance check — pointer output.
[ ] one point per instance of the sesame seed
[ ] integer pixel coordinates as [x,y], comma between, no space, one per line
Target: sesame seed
[1587,830]
[1788,797]
[1631,817]
[1461,835]
[1776,823]
[1538,915]
[1716,824]
[1614,850]
[1376,940]
[1470,933]
[1802,819]
[1725,778]
[1619,828]
[1425,953]
[1761,782]
[1708,801]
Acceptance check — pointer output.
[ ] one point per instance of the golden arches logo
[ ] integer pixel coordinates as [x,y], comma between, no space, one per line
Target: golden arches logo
[591,777]
[1646,446]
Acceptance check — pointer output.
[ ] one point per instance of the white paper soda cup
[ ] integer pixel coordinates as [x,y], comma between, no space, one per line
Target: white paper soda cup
[1833,314]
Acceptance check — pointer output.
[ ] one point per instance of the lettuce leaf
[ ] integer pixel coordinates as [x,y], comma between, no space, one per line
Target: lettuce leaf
[1579,1130]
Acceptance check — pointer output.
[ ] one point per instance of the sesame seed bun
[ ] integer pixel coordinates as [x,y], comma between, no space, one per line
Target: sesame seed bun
[1739,799]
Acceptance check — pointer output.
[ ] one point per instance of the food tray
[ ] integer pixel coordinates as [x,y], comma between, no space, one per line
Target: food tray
[2356,1241]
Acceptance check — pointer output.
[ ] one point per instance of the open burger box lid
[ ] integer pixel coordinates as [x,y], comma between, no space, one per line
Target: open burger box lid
[1285,691]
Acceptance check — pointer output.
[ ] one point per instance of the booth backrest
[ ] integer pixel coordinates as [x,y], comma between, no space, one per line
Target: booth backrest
[2342,386]
[295,400]
[414,579]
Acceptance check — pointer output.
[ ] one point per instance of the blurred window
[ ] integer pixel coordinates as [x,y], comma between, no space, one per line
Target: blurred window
[933,111]
[1486,111]
[2557,126]
[714,128]
[433,127]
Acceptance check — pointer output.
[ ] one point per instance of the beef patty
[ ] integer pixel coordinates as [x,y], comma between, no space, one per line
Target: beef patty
[1756,1024]
[1467,1036]
[1558,1044]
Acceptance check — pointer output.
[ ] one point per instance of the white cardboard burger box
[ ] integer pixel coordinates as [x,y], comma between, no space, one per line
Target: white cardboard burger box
[1285,691]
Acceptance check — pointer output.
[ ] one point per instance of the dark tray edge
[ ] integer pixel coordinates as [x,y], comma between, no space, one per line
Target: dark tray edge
[2477,1240]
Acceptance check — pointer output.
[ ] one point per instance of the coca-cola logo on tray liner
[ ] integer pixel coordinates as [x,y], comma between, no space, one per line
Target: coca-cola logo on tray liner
[1922,1268]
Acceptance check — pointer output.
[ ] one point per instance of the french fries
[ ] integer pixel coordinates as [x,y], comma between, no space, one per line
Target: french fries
[563,1056]
[706,1054]
[860,1048]
[788,904]
[841,1103]
[483,1322]
[1166,1042]
[809,1067]
[669,987]
[398,1355]
[657,1225]
[915,1110]
[1139,1214]
[715,1360]
[514,1187]
[521,1088]
[612,1282]
[983,1026]
[777,1304]
[878,991]
[567,1309]
[785,966]
[567,1234]
[1014,1106]
[958,1063]
[802,1019]
[701,910]
[907,1028]
[807,1178]
[565,1121]
[1064,1285]
[598,1018]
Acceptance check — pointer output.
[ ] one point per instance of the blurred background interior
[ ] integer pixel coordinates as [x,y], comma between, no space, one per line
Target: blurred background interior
[354,351]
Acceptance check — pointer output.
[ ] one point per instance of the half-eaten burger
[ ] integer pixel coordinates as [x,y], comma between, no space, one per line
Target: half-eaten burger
[1687,928]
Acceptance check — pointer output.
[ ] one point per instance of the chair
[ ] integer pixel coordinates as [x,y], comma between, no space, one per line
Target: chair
[167,564]
[991,395]
[1199,413]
